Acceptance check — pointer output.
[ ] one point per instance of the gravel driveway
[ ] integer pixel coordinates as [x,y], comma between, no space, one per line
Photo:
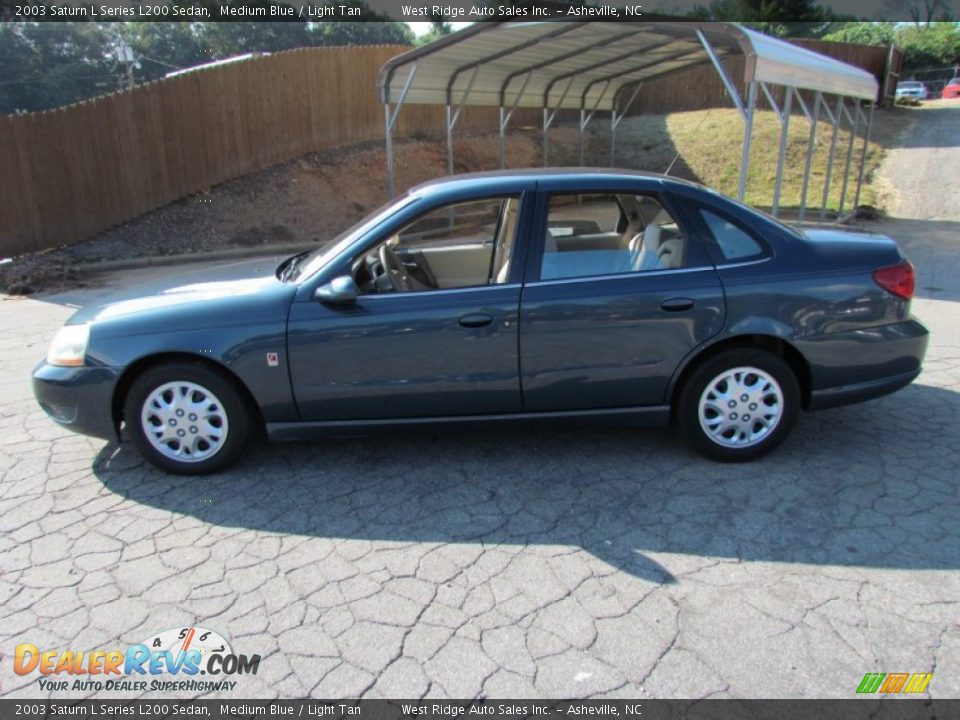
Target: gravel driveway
[576,561]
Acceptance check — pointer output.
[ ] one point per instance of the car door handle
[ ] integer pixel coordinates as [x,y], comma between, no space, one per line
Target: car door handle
[475,320]
[677,304]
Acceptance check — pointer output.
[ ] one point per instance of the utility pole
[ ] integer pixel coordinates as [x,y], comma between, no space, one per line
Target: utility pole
[126,56]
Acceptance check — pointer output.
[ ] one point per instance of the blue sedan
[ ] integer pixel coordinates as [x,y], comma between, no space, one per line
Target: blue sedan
[525,295]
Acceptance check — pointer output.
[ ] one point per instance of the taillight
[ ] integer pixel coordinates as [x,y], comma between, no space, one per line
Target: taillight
[897,279]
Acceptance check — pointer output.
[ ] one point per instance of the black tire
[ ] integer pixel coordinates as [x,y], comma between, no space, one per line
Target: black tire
[688,406]
[237,425]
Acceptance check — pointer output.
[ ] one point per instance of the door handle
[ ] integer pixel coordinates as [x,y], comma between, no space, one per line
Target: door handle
[475,320]
[677,304]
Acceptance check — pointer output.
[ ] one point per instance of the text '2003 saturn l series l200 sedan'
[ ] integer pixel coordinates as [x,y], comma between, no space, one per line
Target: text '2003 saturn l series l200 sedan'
[501,296]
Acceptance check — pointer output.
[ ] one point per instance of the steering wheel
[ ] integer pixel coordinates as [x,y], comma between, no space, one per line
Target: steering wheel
[395,270]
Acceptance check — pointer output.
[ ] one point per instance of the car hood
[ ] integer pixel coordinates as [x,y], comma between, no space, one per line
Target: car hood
[220,286]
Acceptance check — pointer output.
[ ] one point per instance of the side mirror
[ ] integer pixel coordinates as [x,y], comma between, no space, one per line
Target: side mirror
[341,290]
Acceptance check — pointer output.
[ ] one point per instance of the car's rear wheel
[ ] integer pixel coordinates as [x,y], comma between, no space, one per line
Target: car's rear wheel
[187,419]
[739,405]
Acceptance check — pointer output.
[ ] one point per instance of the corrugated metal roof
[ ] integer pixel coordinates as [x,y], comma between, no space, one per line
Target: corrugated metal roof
[585,64]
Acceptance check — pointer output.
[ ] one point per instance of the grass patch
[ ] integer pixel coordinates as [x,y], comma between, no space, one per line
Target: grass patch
[709,143]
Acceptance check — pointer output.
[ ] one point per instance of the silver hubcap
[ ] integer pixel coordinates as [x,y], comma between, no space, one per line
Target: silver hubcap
[741,407]
[184,421]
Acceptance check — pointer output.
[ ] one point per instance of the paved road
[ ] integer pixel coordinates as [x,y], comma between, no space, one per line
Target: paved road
[563,562]
[923,170]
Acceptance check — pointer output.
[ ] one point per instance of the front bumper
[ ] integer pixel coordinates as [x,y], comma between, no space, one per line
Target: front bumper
[850,367]
[78,398]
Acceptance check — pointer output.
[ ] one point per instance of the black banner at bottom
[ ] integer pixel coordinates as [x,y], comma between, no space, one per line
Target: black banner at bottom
[853,709]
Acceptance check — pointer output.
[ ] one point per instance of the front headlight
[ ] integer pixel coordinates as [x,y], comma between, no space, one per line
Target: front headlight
[69,346]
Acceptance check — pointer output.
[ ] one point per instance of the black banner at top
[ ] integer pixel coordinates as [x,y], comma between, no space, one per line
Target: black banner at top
[466,11]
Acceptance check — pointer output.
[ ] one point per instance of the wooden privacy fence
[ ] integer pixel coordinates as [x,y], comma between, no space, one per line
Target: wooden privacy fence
[72,172]
[69,173]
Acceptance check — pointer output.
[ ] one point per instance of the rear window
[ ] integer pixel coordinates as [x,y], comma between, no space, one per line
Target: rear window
[734,242]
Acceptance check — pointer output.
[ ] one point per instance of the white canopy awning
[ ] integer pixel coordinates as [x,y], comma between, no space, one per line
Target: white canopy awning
[563,65]
[575,65]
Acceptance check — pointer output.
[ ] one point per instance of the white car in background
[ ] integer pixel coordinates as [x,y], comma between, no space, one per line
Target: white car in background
[912,89]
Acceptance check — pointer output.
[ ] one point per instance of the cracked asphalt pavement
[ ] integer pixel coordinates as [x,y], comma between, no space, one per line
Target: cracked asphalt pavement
[577,561]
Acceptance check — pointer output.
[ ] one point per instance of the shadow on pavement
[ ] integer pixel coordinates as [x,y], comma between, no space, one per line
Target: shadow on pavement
[871,485]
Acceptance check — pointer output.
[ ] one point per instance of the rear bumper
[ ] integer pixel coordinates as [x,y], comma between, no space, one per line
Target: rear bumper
[858,365]
[79,399]
[849,394]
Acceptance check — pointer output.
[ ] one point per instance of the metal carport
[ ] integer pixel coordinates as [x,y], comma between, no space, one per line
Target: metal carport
[601,66]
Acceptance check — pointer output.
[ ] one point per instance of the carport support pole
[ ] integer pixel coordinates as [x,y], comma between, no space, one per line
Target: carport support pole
[452,117]
[846,165]
[781,155]
[391,120]
[505,120]
[811,148]
[863,156]
[583,127]
[615,118]
[613,133]
[747,136]
[449,140]
[546,134]
[833,145]
[503,138]
[389,136]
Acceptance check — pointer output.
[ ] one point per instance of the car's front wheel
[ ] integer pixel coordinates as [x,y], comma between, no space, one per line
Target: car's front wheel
[187,418]
[739,405]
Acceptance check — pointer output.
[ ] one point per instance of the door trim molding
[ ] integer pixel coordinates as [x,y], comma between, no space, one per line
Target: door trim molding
[644,416]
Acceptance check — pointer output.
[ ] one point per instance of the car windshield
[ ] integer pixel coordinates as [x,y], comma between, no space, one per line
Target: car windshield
[306,264]
[909,85]
[954,81]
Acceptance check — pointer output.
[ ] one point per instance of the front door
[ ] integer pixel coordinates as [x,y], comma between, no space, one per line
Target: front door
[433,331]
[619,295]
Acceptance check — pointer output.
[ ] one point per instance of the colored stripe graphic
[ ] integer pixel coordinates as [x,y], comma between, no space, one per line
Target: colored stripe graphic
[870,682]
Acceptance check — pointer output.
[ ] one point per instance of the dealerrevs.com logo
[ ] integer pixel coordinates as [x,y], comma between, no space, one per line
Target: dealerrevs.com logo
[183,653]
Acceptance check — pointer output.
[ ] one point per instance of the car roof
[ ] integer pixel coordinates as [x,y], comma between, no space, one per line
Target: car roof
[491,179]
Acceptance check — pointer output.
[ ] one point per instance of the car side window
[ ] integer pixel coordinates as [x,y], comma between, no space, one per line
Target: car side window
[609,233]
[734,242]
[466,244]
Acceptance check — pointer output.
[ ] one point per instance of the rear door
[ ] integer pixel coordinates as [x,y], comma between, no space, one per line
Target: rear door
[619,290]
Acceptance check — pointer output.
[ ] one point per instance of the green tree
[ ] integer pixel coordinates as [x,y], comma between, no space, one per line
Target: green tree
[439,28]
[929,45]
[162,47]
[226,39]
[865,33]
[783,18]
[362,33]
[51,64]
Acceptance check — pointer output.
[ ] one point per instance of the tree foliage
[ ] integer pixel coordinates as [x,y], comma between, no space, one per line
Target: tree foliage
[924,44]
[865,33]
[782,18]
[929,45]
